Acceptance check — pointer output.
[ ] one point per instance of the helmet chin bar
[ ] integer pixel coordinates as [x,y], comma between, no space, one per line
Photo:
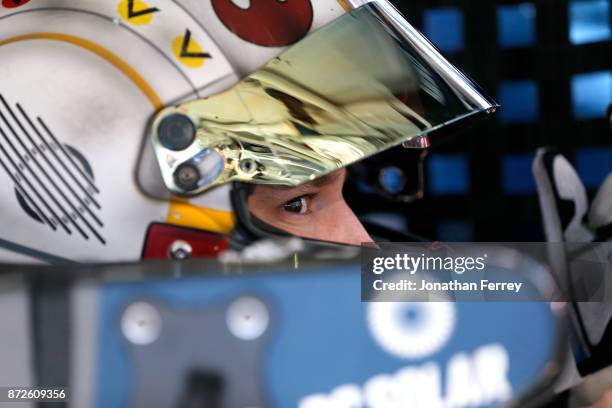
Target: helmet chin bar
[359,86]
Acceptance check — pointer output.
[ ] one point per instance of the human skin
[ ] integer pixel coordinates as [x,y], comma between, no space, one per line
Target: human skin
[605,401]
[314,210]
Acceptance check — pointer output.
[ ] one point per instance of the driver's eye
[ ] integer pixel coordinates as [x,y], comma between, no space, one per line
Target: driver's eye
[297,205]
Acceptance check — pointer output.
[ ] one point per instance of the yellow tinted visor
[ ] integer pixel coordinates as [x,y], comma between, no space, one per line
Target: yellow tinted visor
[358,86]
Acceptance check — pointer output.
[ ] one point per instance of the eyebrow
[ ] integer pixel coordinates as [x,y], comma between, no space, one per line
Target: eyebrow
[320,182]
[329,178]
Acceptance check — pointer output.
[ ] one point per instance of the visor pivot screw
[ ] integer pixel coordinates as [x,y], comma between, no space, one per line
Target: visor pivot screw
[248,166]
[176,132]
[180,250]
[187,176]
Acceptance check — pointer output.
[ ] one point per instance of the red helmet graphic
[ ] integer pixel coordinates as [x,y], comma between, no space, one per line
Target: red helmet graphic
[279,23]
[13,3]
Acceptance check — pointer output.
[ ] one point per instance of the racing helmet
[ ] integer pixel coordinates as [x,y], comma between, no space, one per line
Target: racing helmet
[153,129]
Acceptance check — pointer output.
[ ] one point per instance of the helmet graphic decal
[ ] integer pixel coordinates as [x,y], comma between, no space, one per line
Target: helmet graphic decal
[279,23]
[53,182]
[14,3]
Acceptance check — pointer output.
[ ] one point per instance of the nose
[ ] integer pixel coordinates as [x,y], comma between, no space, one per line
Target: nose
[346,227]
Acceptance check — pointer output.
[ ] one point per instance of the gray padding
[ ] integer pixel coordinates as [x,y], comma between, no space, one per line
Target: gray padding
[601,209]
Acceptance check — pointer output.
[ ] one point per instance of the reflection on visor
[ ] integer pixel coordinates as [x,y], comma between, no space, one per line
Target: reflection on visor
[361,85]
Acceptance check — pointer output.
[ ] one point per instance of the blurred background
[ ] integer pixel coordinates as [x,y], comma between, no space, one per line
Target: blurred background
[549,64]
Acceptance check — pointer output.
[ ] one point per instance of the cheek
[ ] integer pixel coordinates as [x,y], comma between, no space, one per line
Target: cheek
[315,225]
[340,224]
[333,221]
